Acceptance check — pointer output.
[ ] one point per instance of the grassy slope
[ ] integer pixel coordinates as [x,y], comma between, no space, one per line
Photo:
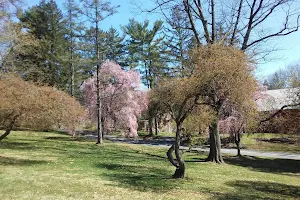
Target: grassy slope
[55,166]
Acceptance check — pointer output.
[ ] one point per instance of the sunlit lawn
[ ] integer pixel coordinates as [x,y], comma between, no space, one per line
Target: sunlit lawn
[250,142]
[56,166]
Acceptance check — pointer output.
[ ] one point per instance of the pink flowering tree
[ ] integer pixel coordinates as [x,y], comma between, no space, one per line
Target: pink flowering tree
[234,126]
[122,101]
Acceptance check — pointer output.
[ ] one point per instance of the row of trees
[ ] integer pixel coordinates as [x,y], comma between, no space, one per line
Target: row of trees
[61,48]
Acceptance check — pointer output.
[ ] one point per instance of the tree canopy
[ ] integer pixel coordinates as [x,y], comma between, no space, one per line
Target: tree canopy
[27,105]
[122,100]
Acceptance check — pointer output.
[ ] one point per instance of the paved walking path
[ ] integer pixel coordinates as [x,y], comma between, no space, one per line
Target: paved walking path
[167,142]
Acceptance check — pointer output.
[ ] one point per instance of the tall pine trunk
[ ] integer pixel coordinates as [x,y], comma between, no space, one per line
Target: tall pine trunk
[215,143]
[179,163]
[99,101]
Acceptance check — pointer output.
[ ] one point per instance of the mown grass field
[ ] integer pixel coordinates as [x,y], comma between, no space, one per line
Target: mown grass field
[253,141]
[37,165]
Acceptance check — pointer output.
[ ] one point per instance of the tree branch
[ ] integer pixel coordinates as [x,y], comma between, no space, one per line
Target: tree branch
[159,5]
[266,14]
[213,35]
[236,23]
[203,20]
[279,33]
[187,9]
[278,112]
[249,26]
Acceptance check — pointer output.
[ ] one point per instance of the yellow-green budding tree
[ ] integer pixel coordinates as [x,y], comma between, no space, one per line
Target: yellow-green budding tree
[27,105]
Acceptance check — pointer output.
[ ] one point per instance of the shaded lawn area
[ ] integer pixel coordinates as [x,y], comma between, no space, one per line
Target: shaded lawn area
[55,166]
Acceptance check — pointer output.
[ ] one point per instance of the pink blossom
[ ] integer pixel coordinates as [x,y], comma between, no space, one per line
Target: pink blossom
[122,103]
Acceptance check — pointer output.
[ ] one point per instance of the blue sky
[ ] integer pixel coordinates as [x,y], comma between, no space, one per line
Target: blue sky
[289,46]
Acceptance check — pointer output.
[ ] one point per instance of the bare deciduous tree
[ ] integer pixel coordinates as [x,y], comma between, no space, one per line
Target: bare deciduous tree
[243,24]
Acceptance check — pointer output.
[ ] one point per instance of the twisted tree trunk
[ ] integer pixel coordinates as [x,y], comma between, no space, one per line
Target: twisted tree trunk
[179,163]
[7,132]
[9,128]
[215,144]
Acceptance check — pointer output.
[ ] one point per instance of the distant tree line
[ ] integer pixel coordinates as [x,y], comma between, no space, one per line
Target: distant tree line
[57,47]
[289,77]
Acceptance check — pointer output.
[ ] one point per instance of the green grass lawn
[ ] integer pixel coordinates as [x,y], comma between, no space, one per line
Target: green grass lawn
[250,141]
[56,166]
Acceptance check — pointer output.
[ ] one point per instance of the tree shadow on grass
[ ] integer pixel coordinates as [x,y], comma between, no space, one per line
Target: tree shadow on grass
[245,190]
[19,161]
[128,156]
[16,145]
[68,139]
[153,155]
[195,160]
[136,169]
[55,146]
[265,164]
[142,178]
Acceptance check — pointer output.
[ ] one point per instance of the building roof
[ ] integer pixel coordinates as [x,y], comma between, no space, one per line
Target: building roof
[276,99]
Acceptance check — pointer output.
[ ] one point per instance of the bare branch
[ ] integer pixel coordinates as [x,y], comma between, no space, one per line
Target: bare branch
[259,7]
[249,26]
[213,36]
[278,112]
[159,5]
[265,15]
[203,20]
[279,33]
[236,22]
[187,9]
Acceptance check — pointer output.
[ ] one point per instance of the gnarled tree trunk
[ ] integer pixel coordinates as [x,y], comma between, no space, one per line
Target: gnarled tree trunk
[179,163]
[215,144]
[7,132]
[9,128]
